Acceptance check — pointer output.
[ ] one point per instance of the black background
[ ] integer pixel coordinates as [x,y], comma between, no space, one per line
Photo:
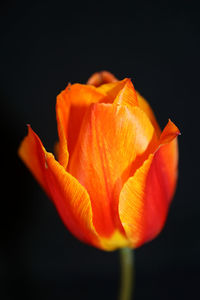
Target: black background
[43,47]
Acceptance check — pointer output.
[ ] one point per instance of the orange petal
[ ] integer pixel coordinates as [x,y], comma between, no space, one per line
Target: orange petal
[144,105]
[71,106]
[111,138]
[145,197]
[70,198]
[100,78]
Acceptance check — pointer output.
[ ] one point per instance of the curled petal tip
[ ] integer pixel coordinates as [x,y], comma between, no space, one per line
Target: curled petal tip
[170,132]
[176,130]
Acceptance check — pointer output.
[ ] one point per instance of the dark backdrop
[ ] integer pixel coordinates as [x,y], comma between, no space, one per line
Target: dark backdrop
[43,47]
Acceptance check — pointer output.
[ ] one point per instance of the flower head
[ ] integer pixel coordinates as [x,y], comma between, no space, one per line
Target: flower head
[115,172]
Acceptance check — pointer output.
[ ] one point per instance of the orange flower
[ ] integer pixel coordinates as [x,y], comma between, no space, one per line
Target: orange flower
[115,175]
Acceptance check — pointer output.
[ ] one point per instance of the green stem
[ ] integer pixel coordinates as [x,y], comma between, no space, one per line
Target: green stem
[127,274]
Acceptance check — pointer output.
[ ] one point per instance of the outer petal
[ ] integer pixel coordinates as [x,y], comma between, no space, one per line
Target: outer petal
[70,198]
[71,106]
[145,197]
[111,138]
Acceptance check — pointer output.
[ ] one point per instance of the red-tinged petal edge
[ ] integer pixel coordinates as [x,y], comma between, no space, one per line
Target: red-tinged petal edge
[145,197]
[70,198]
